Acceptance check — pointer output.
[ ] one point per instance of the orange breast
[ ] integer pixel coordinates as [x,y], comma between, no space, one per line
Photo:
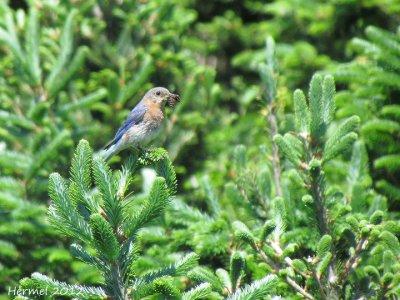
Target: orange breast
[154,112]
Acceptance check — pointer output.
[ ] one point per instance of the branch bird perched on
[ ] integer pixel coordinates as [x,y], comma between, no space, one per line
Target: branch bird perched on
[142,123]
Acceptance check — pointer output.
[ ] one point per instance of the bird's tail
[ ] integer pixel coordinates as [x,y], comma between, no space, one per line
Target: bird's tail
[108,151]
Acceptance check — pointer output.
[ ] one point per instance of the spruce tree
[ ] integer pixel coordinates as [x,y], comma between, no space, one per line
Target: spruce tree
[351,247]
[38,123]
[94,209]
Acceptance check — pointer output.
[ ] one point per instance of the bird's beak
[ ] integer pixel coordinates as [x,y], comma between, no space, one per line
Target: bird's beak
[173,99]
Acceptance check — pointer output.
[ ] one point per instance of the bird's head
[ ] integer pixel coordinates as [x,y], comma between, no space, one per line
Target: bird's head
[160,96]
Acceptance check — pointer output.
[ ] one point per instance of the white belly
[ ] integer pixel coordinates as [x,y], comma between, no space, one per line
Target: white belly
[140,135]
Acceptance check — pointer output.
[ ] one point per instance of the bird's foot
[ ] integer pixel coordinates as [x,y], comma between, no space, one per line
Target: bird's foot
[152,155]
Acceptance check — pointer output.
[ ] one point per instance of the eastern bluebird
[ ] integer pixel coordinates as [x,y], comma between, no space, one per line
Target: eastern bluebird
[142,123]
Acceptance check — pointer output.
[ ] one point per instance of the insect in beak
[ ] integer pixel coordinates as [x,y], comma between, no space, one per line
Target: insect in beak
[173,99]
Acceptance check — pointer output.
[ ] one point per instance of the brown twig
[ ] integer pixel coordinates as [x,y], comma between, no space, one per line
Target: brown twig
[320,286]
[276,268]
[350,263]
[299,288]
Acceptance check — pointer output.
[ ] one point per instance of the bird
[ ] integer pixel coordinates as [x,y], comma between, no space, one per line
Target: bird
[143,122]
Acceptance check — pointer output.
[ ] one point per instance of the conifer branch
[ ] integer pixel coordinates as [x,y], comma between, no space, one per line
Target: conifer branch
[308,151]
[107,227]
[116,285]
[269,76]
[317,191]
[276,166]
[57,288]
[257,290]
[201,291]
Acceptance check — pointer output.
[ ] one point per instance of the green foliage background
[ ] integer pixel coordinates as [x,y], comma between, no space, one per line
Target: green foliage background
[72,70]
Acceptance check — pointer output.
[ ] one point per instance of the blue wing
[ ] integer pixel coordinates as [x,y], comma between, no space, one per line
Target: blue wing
[134,117]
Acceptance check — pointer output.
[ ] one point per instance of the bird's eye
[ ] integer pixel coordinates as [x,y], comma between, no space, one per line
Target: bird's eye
[158,93]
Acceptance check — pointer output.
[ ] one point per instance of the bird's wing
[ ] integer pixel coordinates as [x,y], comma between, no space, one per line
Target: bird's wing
[134,117]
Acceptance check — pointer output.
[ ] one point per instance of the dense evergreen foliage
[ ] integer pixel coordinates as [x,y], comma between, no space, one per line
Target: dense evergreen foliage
[269,183]
[374,75]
